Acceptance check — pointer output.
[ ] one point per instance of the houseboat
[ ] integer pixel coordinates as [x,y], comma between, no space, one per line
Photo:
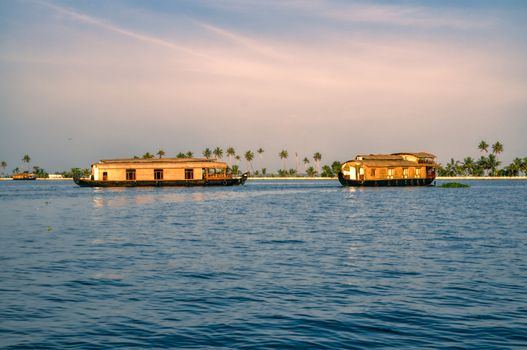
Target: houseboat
[396,169]
[24,176]
[160,172]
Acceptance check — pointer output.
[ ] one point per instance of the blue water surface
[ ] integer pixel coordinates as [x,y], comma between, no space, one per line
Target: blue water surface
[272,264]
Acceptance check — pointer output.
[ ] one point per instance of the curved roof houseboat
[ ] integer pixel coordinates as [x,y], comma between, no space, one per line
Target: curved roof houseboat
[396,169]
[24,176]
[160,172]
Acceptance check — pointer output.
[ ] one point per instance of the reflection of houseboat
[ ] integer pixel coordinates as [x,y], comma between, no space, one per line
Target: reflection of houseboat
[160,172]
[24,176]
[397,169]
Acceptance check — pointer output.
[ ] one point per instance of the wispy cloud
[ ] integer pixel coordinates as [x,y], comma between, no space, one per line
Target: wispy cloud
[80,17]
[248,43]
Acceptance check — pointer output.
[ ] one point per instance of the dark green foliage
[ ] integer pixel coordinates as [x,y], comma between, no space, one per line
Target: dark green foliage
[453,185]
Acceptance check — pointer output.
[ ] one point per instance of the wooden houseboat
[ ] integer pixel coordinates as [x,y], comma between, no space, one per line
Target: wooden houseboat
[160,172]
[24,176]
[396,169]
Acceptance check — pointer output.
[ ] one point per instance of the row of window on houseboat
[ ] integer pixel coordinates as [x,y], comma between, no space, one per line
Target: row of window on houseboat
[390,172]
[158,173]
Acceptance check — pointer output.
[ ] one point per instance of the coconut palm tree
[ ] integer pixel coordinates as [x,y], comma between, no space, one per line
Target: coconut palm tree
[160,153]
[306,162]
[207,153]
[249,156]
[3,165]
[26,159]
[237,158]
[311,171]
[317,157]
[515,167]
[260,152]
[497,148]
[468,166]
[283,155]
[218,153]
[483,147]
[452,168]
[230,153]
[493,164]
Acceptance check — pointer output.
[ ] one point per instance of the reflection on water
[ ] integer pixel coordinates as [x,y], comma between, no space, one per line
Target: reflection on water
[266,265]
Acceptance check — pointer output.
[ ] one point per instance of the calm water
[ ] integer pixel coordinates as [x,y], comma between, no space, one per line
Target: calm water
[269,264]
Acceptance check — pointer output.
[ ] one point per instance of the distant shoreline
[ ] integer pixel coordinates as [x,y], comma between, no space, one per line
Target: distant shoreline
[290,178]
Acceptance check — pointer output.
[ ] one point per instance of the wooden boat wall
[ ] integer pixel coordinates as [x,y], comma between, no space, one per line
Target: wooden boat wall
[396,169]
[160,172]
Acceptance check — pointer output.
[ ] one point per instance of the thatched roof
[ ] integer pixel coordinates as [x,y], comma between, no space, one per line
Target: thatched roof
[417,154]
[158,160]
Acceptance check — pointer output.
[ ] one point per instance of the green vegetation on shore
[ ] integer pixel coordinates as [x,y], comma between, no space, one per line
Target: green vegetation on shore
[487,164]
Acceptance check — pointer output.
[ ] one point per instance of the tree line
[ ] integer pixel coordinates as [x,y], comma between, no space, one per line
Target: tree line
[488,164]
[252,161]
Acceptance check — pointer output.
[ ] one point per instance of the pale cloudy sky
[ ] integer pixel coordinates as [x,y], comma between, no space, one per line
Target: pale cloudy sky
[87,80]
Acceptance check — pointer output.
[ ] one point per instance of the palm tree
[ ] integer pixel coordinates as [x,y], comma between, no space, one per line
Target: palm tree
[497,148]
[260,152]
[249,156]
[493,163]
[189,154]
[515,167]
[160,153]
[306,162]
[317,157]
[206,153]
[483,146]
[452,168]
[483,164]
[3,165]
[218,152]
[311,171]
[237,158]
[230,153]
[181,155]
[468,166]
[283,155]
[26,159]
[147,155]
[524,166]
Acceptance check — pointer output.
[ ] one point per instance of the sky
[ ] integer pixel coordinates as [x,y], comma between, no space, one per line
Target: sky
[87,80]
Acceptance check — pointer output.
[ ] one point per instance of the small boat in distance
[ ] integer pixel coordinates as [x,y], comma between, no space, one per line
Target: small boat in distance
[24,176]
[160,172]
[396,169]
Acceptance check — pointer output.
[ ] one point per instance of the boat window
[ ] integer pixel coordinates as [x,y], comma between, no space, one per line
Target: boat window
[189,174]
[158,174]
[105,176]
[390,173]
[130,174]
[405,172]
[417,170]
[373,172]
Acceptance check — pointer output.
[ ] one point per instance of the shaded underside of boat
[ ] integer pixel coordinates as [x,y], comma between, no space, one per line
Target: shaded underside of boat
[385,183]
[162,183]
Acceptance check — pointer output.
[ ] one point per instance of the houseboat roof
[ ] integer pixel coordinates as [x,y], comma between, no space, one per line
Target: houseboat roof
[393,159]
[158,160]
[417,154]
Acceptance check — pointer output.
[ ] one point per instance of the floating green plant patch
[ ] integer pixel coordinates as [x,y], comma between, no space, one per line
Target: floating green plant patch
[453,185]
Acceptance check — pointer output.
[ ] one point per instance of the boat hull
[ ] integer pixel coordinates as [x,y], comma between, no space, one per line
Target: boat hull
[385,183]
[27,178]
[162,183]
